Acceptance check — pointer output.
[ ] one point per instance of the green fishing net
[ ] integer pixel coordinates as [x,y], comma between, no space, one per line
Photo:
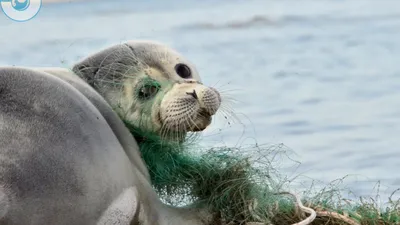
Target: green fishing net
[242,185]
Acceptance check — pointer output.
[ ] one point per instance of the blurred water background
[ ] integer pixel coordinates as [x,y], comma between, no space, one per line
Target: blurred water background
[318,77]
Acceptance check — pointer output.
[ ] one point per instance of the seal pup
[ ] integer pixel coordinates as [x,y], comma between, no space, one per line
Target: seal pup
[66,158]
[152,87]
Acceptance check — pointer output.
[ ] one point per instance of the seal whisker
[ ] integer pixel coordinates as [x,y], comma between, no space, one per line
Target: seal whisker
[215,85]
[227,105]
[164,130]
[182,130]
[188,122]
[194,123]
[166,127]
[229,113]
[222,85]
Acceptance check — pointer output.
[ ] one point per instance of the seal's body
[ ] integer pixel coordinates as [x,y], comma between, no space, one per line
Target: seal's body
[66,158]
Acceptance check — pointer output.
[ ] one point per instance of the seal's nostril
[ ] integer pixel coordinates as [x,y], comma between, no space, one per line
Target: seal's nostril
[194,94]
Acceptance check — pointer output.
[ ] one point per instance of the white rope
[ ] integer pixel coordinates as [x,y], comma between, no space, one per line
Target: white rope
[311,211]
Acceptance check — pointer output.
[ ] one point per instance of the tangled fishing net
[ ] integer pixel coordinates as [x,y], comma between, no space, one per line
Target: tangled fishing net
[242,185]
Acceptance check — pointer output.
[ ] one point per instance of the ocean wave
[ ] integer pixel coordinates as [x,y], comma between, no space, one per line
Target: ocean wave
[256,20]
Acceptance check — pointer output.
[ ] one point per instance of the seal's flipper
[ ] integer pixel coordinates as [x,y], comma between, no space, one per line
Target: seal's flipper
[123,210]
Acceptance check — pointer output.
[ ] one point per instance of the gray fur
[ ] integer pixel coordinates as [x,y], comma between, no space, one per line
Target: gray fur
[115,62]
[66,158]
[117,73]
[57,152]
[4,204]
[106,66]
[123,210]
[124,136]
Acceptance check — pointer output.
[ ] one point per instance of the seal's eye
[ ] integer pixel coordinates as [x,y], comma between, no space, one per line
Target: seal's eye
[183,70]
[147,91]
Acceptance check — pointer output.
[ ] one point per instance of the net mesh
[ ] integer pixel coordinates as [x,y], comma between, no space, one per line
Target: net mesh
[244,188]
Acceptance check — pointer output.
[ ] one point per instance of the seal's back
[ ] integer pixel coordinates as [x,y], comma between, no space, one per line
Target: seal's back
[55,149]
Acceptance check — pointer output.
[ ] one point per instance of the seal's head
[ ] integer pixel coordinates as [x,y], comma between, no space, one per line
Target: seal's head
[152,87]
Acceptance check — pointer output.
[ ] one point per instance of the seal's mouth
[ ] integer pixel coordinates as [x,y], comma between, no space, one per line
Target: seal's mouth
[203,120]
[203,113]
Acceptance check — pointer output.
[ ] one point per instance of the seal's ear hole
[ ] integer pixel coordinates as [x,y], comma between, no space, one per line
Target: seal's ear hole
[183,70]
[148,91]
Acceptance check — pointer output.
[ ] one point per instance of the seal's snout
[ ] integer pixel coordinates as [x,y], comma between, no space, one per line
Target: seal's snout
[208,98]
[189,106]
[211,100]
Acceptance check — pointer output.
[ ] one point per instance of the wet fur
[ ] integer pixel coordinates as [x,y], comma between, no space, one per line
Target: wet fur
[66,157]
